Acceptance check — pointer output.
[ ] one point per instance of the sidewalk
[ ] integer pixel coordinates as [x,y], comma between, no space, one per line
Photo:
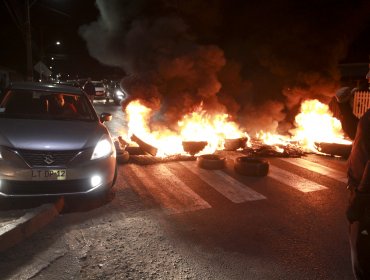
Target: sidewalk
[19,223]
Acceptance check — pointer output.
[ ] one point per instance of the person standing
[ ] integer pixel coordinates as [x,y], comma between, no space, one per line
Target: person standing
[89,88]
[358,210]
[341,106]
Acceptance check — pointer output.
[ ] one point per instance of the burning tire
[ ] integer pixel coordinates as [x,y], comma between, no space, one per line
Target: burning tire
[211,162]
[123,156]
[251,166]
[234,144]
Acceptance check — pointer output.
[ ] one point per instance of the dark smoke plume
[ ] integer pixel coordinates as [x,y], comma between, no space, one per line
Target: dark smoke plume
[256,61]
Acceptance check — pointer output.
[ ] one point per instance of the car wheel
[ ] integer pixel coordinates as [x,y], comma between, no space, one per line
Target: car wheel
[211,161]
[251,166]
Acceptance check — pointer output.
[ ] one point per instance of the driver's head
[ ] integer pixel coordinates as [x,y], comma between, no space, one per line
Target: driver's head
[60,99]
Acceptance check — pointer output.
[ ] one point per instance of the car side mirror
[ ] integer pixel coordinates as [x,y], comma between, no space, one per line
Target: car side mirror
[105,117]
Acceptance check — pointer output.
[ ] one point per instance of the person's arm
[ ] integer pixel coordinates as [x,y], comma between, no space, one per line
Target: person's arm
[359,171]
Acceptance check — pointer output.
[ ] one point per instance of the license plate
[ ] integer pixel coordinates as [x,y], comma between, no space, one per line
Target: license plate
[49,174]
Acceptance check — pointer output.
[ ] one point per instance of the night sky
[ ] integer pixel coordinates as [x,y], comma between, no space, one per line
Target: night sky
[245,58]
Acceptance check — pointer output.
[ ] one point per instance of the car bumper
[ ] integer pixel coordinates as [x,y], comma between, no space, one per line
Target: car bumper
[18,182]
[101,95]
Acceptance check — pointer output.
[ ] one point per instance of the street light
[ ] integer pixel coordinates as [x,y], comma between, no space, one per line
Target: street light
[43,56]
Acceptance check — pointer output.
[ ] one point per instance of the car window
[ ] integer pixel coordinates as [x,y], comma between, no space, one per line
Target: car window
[46,105]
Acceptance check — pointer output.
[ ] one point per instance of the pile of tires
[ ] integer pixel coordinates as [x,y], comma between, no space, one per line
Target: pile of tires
[248,166]
[211,162]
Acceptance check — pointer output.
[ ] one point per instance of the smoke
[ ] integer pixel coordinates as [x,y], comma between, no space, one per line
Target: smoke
[255,61]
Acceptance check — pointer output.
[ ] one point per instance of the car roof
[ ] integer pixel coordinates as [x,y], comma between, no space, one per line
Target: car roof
[45,87]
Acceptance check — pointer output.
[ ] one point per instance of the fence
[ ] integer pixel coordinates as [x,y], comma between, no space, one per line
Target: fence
[361,103]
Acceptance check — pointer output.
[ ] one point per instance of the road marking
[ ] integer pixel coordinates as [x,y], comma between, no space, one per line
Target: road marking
[293,180]
[171,193]
[224,184]
[318,168]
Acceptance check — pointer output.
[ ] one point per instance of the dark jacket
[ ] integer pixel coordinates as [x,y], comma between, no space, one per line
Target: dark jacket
[89,88]
[360,153]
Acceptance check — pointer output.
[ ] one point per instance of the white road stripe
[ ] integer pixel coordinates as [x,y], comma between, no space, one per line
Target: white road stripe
[224,184]
[318,168]
[293,180]
[171,193]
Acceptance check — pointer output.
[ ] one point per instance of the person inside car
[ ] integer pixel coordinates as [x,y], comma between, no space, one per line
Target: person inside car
[63,107]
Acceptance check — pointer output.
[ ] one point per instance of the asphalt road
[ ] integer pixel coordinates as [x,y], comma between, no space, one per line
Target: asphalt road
[176,221]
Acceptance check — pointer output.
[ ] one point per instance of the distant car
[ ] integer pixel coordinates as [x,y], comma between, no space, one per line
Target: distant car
[45,151]
[101,91]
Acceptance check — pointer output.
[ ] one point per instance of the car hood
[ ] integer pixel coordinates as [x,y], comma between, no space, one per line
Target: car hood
[50,135]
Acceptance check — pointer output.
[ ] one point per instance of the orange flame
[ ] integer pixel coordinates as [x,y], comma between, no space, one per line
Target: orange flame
[314,123]
[196,126]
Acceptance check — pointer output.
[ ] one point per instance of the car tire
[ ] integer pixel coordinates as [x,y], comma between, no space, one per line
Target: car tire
[251,166]
[211,162]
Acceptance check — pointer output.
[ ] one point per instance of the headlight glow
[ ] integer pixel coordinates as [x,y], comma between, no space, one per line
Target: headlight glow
[119,92]
[102,149]
[95,180]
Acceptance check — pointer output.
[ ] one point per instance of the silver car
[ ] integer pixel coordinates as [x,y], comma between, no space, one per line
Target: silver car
[52,142]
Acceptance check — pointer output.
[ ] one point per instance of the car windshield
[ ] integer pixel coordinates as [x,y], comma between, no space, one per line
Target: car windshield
[32,104]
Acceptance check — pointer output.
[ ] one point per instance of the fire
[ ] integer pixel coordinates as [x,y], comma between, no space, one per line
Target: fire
[196,126]
[314,123]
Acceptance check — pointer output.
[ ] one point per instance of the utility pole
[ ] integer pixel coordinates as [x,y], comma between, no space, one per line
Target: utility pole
[29,43]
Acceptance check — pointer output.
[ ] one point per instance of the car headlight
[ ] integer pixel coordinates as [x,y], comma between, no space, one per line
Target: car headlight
[103,148]
[119,93]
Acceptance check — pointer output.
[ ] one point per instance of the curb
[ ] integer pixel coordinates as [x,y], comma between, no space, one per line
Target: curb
[21,228]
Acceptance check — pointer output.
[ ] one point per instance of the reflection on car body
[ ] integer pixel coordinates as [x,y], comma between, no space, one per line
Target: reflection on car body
[46,151]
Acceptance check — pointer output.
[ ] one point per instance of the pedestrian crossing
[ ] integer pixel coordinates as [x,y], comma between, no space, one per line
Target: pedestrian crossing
[224,184]
[293,180]
[173,192]
[321,169]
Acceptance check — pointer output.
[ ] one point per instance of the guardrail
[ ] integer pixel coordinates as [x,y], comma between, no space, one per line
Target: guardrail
[361,103]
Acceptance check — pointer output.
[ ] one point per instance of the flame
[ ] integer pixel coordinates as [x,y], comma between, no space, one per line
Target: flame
[196,126]
[314,124]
